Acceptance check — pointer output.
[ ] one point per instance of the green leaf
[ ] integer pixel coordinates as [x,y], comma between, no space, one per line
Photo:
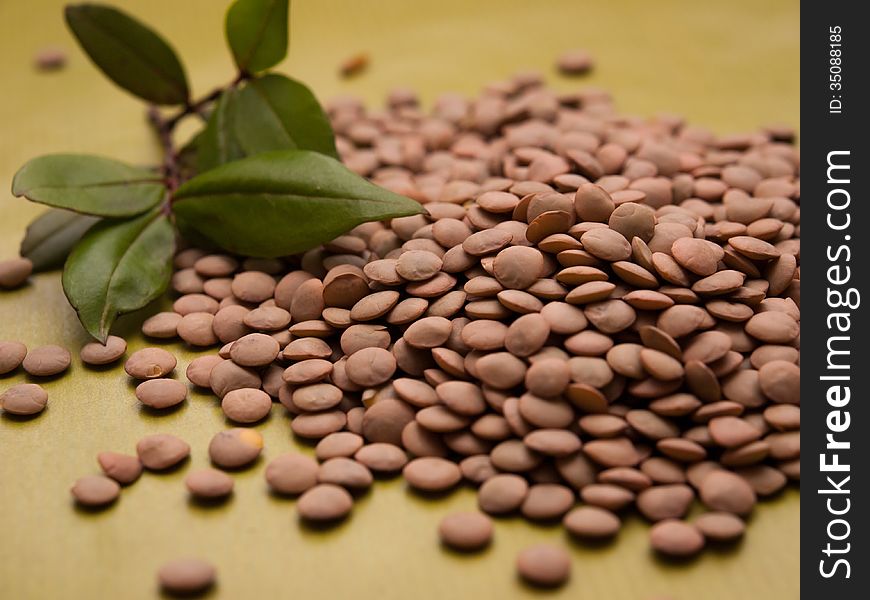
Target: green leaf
[51,236]
[89,184]
[129,53]
[283,202]
[278,113]
[118,267]
[194,238]
[219,144]
[257,33]
[188,163]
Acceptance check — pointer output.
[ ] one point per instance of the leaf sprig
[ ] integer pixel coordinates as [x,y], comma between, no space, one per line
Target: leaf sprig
[262,177]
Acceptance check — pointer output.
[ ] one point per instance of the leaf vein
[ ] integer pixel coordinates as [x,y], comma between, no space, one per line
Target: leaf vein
[106,311]
[260,31]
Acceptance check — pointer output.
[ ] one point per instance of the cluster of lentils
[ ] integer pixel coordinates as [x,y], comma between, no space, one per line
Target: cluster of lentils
[598,313]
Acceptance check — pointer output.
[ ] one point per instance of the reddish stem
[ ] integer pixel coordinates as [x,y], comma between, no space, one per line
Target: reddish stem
[164,127]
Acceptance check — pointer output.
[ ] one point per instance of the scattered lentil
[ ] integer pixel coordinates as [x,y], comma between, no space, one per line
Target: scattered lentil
[186,576]
[466,531]
[95,490]
[46,361]
[544,565]
[24,399]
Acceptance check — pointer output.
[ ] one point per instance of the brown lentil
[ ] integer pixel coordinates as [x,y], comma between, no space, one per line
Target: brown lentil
[324,502]
[209,484]
[11,356]
[338,444]
[466,531]
[24,399]
[345,472]
[123,468]
[575,62]
[199,369]
[95,353]
[381,457]
[150,363]
[503,493]
[291,473]
[186,576]
[431,474]
[544,565]
[161,393]
[589,301]
[254,350]
[726,491]
[676,538]
[591,522]
[720,526]
[227,376]
[46,361]
[235,448]
[95,490]
[547,501]
[161,451]
[246,405]
[14,272]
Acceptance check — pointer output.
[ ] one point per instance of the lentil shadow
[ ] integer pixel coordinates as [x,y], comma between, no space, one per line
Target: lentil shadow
[107,367]
[360,493]
[196,502]
[25,285]
[427,495]
[459,552]
[129,325]
[169,470]
[542,524]
[41,379]
[202,394]
[199,350]
[385,475]
[280,496]
[725,548]
[13,418]
[251,465]
[11,373]
[675,562]
[150,411]
[540,588]
[93,511]
[590,543]
[133,383]
[302,441]
[156,341]
[209,592]
[230,423]
[310,526]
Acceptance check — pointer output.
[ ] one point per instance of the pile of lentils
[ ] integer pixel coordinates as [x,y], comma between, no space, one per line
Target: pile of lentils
[597,312]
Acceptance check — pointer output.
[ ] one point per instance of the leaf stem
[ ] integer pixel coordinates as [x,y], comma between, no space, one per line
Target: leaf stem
[164,127]
[198,106]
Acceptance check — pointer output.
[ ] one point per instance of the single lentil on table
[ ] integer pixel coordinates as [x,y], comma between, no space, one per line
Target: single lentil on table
[594,307]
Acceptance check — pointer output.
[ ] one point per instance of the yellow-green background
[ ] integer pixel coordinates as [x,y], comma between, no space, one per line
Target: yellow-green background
[727,65]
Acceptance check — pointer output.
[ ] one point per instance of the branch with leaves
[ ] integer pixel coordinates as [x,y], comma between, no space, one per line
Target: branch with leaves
[261,178]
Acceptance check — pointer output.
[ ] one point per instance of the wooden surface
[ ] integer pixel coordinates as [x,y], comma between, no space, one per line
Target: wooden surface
[730,66]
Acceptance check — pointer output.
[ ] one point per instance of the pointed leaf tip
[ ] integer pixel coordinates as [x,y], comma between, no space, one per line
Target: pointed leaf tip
[257,33]
[131,54]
